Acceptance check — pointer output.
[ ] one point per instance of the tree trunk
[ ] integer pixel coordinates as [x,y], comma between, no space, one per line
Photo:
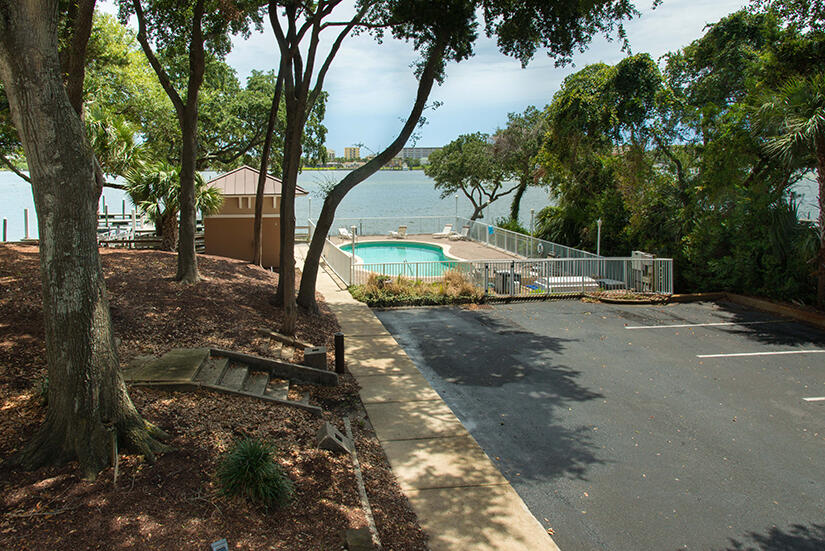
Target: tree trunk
[515,206]
[169,231]
[89,407]
[820,176]
[187,260]
[257,244]
[309,275]
[286,271]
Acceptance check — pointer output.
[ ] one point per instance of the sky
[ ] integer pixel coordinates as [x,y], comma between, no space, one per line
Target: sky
[371,87]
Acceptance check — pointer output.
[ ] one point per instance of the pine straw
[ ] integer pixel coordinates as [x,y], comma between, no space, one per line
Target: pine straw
[175,503]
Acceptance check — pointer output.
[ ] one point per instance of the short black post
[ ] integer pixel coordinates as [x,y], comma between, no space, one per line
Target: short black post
[339,352]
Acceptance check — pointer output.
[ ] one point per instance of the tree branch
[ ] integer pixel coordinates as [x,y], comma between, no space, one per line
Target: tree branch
[197,56]
[13,168]
[163,77]
[73,58]
[333,51]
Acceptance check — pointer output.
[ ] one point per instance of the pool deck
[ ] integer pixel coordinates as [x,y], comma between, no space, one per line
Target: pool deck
[463,250]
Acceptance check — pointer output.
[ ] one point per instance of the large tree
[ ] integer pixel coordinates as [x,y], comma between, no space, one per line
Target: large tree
[192,28]
[796,114]
[444,31]
[90,414]
[516,147]
[469,164]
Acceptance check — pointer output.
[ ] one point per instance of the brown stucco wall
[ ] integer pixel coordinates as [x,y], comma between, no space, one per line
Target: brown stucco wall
[232,237]
[230,205]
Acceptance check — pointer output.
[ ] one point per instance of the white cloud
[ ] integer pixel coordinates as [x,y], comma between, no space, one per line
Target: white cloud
[372,86]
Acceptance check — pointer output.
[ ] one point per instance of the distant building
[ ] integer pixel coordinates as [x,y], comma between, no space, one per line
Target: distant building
[330,154]
[352,153]
[417,152]
[230,231]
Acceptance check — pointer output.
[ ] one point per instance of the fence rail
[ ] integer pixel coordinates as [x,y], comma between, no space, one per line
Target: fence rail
[537,277]
[518,243]
[384,225]
[545,269]
[338,261]
[493,236]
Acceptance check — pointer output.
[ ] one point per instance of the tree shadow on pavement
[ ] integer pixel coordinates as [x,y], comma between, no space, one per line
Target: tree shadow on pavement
[796,538]
[783,332]
[506,384]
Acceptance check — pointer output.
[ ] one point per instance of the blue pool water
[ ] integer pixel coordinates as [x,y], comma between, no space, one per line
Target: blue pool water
[394,251]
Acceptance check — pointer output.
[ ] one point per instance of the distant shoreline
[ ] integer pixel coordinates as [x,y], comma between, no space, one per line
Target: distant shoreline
[323,168]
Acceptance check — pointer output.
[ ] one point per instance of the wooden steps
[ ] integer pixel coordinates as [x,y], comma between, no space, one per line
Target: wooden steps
[231,373]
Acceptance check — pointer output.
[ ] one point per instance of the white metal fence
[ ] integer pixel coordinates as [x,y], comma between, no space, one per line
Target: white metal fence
[537,277]
[384,225]
[337,260]
[518,243]
[549,269]
[493,236]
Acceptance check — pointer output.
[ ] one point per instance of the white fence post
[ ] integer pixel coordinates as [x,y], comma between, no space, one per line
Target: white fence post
[26,223]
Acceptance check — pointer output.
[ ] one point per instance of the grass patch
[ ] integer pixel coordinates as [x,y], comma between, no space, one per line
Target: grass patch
[249,470]
[452,288]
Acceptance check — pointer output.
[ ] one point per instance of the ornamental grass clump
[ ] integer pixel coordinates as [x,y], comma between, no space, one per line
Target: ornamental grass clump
[382,290]
[249,470]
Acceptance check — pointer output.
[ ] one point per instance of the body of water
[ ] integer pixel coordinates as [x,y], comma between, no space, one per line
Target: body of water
[386,194]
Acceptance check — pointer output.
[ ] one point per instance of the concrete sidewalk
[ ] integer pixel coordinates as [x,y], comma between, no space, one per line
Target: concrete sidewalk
[460,497]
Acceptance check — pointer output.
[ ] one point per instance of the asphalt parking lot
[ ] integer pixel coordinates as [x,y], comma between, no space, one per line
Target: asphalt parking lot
[694,426]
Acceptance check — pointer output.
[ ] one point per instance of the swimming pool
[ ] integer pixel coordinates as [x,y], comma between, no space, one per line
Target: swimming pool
[380,252]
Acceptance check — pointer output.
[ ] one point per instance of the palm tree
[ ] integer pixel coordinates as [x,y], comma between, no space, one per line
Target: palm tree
[113,139]
[796,114]
[155,188]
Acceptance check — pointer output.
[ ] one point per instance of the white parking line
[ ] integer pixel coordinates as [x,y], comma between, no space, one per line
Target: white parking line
[718,324]
[780,353]
[818,399]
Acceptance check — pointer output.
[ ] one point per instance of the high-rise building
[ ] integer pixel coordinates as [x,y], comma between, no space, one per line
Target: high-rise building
[352,153]
[330,154]
[417,152]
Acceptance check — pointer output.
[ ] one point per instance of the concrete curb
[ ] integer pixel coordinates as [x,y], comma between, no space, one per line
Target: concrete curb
[765,305]
[812,318]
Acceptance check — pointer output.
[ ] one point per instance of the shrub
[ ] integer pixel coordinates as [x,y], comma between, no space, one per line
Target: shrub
[249,469]
[452,288]
[512,225]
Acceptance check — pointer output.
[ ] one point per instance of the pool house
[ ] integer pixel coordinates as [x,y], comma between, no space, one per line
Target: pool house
[229,232]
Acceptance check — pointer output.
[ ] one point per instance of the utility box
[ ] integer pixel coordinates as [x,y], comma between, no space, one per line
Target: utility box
[641,264]
[506,282]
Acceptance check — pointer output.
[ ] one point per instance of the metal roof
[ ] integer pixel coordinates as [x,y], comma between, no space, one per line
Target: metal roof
[244,181]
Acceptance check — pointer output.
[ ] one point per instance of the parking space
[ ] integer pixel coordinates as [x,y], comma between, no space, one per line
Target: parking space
[697,426]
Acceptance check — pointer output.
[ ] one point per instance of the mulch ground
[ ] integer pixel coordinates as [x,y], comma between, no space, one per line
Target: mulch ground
[175,503]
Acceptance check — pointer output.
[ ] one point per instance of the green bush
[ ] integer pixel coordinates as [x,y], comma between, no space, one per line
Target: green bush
[249,469]
[512,225]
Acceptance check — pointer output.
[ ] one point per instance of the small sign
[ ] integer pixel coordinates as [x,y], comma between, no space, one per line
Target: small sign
[220,545]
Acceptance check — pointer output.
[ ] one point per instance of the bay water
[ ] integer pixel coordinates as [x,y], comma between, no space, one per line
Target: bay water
[388,193]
